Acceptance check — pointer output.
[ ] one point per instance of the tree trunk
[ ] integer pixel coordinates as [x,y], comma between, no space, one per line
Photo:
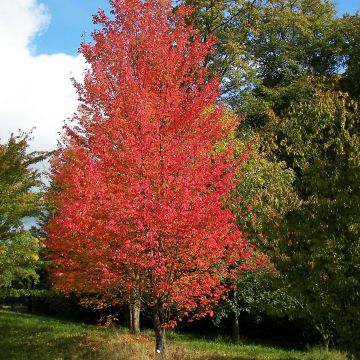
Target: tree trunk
[235,334]
[326,338]
[134,315]
[160,335]
[326,341]
[234,316]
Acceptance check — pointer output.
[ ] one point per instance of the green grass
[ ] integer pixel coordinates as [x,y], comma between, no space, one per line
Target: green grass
[30,337]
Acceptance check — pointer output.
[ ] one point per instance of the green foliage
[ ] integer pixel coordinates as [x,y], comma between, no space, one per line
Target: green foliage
[263,194]
[300,196]
[319,247]
[350,26]
[266,49]
[19,249]
[17,178]
[256,292]
[18,260]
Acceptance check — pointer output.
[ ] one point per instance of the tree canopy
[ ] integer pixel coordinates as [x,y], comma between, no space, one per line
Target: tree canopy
[19,199]
[143,176]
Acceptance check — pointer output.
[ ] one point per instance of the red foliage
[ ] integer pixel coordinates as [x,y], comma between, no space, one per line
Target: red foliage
[138,186]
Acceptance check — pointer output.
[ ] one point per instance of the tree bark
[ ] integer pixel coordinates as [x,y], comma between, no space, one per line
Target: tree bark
[134,315]
[326,341]
[160,334]
[234,317]
[235,334]
[326,337]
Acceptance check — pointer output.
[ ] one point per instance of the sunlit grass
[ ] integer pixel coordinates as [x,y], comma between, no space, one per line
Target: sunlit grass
[24,336]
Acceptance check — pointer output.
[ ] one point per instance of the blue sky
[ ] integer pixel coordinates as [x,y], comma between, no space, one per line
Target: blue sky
[72,18]
[347,6]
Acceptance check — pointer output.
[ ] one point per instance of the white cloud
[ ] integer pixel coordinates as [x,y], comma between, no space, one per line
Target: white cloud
[35,90]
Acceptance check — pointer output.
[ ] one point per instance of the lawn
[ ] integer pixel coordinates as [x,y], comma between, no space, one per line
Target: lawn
[24,336]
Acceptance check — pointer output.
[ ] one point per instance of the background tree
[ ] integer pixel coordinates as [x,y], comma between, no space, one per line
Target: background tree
[266,194]
[266,52]
[350,26]
[267,48]
[319,245]
[142,178]
[19,249]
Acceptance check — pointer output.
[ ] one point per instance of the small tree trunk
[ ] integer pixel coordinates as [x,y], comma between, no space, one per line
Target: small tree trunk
[235,334]
[135,318]
[234,316]
[326,338]
[160,335]
[134,312]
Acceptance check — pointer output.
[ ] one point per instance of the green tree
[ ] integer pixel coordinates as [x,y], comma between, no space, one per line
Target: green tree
[267,51]
[319,243]
[265,188]
[256,292]
[350,25]
[267,48]
[262,196]
[19,198]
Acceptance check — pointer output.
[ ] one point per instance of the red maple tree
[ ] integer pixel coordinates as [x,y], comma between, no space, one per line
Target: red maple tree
[140,181]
